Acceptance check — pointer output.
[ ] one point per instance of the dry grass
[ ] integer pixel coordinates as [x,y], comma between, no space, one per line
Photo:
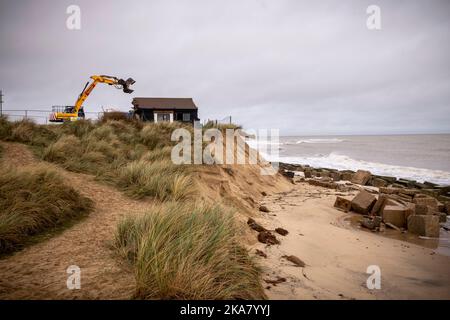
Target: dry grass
[115,115]
[5,128]
[26,131]
[78,128]
[135,159]
[156,136]
[181,251]
[160,179]
[34,200]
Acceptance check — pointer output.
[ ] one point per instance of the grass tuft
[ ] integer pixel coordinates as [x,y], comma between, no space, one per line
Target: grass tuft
[27,131]
[5,128]
[34,200]
[182,251]
[160,179]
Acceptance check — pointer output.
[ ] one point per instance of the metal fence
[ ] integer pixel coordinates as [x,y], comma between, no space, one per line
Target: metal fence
[41,116]
[226,120]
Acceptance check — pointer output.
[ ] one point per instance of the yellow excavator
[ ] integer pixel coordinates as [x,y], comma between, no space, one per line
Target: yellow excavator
[74,113]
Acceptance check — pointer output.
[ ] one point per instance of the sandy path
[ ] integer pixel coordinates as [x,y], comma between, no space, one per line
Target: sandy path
[39,271]
[337,255]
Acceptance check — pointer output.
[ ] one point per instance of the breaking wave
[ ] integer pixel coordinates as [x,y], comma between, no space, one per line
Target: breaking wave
[331,140]
[266,143]
[343,162]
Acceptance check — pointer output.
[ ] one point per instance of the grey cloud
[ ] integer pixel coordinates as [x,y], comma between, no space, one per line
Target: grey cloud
[302,66]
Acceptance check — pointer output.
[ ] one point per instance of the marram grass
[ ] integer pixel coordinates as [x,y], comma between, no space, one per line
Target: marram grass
[185,251]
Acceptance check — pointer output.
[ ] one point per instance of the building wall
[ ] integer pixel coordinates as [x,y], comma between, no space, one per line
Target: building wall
[148,114]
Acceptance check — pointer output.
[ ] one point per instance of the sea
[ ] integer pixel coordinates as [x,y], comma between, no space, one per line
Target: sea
[420,157]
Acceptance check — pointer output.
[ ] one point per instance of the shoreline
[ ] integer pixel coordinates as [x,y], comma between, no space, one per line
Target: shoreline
[439,191]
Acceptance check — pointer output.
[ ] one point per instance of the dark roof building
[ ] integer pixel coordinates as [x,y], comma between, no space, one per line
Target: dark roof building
[165,109]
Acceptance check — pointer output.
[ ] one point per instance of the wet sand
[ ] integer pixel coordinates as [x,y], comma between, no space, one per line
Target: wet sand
[337,253]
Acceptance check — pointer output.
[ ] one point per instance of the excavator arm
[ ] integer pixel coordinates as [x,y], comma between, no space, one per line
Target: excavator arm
[71,115]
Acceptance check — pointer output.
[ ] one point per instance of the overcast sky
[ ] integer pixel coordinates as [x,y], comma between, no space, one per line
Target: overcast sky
[305,67]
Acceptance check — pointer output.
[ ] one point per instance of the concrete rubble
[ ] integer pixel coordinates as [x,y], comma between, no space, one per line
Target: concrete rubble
[401,204]
[363,202]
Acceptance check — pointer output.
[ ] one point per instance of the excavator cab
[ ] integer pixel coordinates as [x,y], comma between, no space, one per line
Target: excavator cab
[66,110]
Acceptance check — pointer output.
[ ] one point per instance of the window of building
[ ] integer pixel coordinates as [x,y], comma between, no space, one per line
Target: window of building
[186,117]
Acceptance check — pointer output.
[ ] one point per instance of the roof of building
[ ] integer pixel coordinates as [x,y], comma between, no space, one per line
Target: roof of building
[164,103]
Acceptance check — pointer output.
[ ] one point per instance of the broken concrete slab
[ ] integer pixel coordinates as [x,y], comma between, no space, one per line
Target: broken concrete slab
[395,215]
[288,174]
[347,175]
[361,177]
[371,223]
[421,209]
[363,202]
[378,182]
[424,225]
[336,176]
[343,204]
[410,210]
[389,190]
[307,173]
[379,205]
[392,226]
[428,201]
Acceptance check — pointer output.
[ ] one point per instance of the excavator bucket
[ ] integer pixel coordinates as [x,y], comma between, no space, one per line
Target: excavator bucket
[126,84]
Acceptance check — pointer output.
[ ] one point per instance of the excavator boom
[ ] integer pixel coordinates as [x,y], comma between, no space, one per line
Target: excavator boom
[73,114]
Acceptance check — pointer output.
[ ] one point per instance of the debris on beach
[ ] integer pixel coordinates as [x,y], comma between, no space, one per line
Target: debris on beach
[399,209]
[424,225]
[343,204]
[395,215]
[276,281]
[392,226]
[363,202]
[255,226]
[288,174]
[295,260]
[403,204]
[267,237]
[361,177]
[261,253]
[281,231]
[371,223]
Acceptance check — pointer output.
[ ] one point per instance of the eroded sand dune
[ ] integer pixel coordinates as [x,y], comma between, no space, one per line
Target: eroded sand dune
[336,254]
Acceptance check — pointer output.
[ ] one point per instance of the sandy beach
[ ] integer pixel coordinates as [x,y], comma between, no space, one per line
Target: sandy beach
[337,254]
